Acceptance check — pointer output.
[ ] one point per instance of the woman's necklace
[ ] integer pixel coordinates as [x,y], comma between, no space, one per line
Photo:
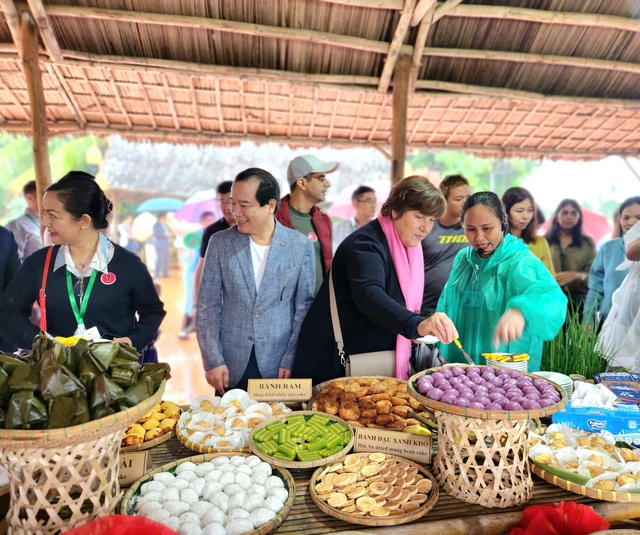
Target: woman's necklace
[82,267]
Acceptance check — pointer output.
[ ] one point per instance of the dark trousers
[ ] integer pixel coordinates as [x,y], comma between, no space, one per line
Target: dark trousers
[251,371]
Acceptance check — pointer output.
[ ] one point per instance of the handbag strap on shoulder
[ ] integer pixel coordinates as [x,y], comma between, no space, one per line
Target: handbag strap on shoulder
[335,320]
[42,296]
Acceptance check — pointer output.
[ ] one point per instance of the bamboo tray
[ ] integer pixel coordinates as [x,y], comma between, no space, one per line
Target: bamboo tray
[605,495]
[299,464]
[380,520]
[201,448]
[127,503]
[149,443]
[487,414]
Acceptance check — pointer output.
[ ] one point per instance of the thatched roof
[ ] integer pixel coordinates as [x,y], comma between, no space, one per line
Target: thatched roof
[556,78]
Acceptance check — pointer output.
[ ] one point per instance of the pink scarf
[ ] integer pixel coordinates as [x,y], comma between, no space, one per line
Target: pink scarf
[409,265]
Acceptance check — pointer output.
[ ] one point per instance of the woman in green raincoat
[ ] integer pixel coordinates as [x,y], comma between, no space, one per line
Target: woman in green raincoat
[499,295]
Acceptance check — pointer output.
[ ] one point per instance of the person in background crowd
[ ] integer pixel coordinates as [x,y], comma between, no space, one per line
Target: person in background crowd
[223,192]
[572,253]
[540,217]
[161,240]
[604,276]
[498,294]
[125,238]
[620,334]
[256,288]
[308,182]
[615,229]
[364,202]
[190,261]
[444,241]
[9,262]
[523,223]
[94,287]
[26,228]
[377,275]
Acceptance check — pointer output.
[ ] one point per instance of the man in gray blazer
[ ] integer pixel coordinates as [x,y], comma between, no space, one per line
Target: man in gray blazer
[256,287]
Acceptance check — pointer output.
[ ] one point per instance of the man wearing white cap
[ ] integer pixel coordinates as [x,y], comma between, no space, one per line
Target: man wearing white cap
[306,175]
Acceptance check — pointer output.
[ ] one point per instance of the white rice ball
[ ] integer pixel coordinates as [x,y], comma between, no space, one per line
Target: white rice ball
[189,496]
[252,461]
[255,488]
[197,485]
[280,493]
[211,488]
[213,516]
[221,501]
[167,478]
[244,469]
[273,482]
[190,528]
[158,515]
[180,484]
[218,461]
[261,516]
[236,513]
[274,504]
[259,477]
[201,508]
[176,508]
[187,475]
[227,468]
[169,495]
[214,529]
[147,508]
[243,480]
[152,486]
[172,522]
[187,466]
[253,501]
[149,497]
[263,468]
[226,479]
[204,468]
[237,460]
[239,526]
[232,488]
[214,475]
[236,500]
[189,517]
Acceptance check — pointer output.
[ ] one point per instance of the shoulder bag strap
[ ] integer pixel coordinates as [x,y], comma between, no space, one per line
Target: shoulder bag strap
[335,320]
[42,297]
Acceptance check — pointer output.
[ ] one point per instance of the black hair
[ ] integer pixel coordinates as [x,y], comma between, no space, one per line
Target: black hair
[491,201]
[553,236]
[625,204]
[360,191]
[80,194]
[29,188]
[267,185]
[224,187]
[514,196]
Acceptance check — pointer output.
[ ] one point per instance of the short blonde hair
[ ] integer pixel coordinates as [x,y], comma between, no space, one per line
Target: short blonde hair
[415,193]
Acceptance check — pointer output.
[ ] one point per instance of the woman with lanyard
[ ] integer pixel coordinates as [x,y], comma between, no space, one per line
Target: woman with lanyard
[93,287]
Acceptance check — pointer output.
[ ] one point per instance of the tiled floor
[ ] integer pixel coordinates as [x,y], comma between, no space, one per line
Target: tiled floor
[187,377]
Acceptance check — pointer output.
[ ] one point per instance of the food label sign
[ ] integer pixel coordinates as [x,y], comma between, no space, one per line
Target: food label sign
[279,389]
[414,447]
[132,467]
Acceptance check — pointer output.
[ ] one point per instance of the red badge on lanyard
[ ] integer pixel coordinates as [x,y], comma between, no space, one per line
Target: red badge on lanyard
[108,278]
[312,236]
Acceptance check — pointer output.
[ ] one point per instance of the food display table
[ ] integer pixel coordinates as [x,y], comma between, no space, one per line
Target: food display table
[450,516]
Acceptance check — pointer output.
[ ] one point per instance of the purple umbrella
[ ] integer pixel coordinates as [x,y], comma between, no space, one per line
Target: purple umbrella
[199,203]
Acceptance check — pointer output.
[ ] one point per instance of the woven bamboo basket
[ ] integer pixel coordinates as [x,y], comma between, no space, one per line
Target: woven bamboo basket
[482,454]
[62,478]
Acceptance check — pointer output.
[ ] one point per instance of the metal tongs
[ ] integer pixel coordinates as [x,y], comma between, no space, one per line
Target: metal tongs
[464,353]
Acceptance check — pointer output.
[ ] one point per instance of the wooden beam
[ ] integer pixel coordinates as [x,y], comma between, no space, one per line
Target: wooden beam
[399,128]
[369,4]
[418,48]
[13,21]
[396,45]
[443,9]
[546,17]
[44,25]
[33,76]
[203,23]
[528,57]
[423,7]
[66,93]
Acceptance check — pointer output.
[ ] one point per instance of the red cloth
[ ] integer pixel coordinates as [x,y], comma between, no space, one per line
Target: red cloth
[564,518]
[321,222]
[122,525]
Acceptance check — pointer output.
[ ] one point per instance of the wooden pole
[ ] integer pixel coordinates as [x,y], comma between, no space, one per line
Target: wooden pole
[37,105]
[399,132]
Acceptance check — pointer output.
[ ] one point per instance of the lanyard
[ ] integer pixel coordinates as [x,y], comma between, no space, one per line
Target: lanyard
[79,314]
[34,220]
